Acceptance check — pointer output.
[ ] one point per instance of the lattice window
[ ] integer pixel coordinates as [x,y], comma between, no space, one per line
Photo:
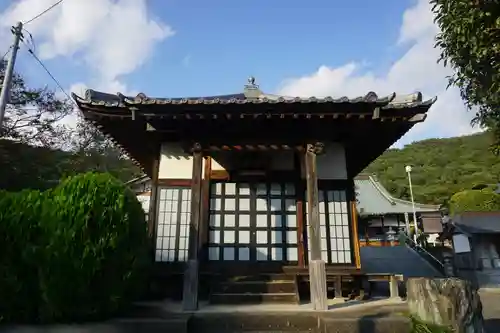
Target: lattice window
[255,222]
[334,227]
[174,208]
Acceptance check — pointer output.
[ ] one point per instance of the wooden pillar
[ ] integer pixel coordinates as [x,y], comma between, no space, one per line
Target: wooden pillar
[317,269]
[383,242]
[300,192]
[407,224]
[357,254]
[190,291]
[205,214]
[153,205]
[153,199]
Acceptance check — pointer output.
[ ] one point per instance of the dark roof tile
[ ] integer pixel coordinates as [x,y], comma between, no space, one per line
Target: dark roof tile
[478,222]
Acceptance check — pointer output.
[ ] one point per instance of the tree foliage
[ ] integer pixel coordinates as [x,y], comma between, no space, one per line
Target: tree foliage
[41,149]
[95,152]
[34,114]
[441,167]
[485,200]
[470,43]
[30,167]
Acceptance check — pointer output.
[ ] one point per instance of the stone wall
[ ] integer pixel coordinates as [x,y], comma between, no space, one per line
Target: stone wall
[448,302]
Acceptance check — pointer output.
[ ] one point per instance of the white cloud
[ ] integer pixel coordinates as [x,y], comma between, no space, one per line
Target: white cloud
[416,70]
[111,38]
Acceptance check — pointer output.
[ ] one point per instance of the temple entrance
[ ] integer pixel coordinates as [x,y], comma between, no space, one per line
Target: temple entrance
[253,221]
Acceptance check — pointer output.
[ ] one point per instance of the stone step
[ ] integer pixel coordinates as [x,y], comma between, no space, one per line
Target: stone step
[152,325]
[376,324]
[295,322]
[254,322]
[253,298]
[239,287]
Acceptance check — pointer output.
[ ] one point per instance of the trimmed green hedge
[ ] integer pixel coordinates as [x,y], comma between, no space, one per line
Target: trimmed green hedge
[20,241]
[78,252]
[485,200]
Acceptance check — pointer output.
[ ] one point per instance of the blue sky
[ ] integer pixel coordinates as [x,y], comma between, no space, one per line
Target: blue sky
[195,48]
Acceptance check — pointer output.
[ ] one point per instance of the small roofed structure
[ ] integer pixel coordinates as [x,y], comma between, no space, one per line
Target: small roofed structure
[254,183]
[476,245]
[382,215]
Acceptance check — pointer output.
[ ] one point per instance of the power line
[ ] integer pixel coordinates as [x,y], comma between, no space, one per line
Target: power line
[31,39]
[8,50]
[42,13]
[48,72]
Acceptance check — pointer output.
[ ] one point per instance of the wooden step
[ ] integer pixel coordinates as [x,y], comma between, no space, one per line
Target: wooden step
[258,287]
[256,278]
[253,298]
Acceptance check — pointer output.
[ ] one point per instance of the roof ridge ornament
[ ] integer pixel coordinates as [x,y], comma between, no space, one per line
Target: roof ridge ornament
[251,81]
[252,90]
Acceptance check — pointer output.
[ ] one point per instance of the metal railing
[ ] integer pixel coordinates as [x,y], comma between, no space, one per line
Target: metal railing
[436,263]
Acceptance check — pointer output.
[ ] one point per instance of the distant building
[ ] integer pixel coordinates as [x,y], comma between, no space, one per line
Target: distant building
[382,216]
[142,188]
[476,245]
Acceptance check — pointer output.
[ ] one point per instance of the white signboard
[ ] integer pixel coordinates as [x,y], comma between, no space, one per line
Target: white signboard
[461,243]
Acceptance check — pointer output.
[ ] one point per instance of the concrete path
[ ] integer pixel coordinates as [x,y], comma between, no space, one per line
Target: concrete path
[491,309]
[375,316]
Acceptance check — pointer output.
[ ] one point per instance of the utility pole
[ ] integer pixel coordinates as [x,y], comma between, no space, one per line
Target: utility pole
[7,80]
[408,171]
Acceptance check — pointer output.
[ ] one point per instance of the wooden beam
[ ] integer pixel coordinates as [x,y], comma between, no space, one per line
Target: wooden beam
[317,269]
[190,292]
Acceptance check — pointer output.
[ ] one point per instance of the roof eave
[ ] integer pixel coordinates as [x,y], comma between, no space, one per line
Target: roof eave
[100,99]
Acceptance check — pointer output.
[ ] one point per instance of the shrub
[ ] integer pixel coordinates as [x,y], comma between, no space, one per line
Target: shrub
[484,200]
[98,250]
[92,248]
[19,255]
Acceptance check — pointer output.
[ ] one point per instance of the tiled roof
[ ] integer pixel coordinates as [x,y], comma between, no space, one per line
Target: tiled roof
[478,222]
[252,95]
[138,180]
[374,199]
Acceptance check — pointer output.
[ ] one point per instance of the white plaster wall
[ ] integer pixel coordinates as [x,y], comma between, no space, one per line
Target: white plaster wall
[331,164]
[216,166]
[175,163]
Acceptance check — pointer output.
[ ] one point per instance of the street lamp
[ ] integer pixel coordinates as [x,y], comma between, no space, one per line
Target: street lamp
[408,171]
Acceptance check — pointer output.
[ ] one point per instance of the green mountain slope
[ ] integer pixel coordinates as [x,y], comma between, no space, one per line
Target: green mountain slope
[441,167]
